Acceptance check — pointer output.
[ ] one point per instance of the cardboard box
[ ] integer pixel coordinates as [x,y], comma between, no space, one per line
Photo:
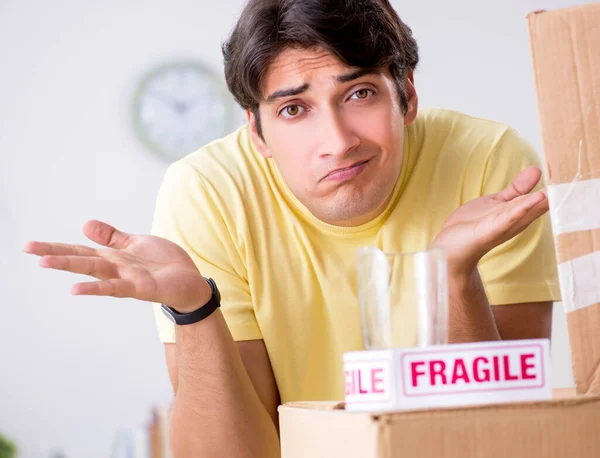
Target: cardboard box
[568,426]
[565,47]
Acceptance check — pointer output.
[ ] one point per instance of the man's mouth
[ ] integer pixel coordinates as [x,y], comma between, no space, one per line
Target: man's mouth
[346,173]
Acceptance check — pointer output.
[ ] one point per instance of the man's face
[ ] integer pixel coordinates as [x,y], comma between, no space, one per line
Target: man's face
[335,133]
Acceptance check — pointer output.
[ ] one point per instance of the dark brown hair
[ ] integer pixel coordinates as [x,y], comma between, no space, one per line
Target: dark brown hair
[361,33]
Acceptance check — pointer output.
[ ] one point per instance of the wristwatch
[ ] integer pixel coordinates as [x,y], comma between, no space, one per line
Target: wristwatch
[197,315]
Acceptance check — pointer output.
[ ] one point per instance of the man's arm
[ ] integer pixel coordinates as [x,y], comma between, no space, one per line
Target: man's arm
[524,321]
[217,411]
[473,319]
[520,275]
[470,233]
[258,366]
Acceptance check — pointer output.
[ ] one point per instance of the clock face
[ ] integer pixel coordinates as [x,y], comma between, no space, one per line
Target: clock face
[180,107]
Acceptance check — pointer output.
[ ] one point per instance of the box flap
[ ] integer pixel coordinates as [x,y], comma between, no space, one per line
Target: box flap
[317,405]
[319,430]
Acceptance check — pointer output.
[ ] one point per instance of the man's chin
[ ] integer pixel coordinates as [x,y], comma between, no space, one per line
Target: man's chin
[348,212]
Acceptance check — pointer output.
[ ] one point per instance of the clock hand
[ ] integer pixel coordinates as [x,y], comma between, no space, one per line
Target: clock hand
[167,100]
[180,107]
[194,101]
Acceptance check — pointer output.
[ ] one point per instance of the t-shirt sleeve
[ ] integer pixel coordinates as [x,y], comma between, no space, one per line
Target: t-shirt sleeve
[188,214]
[524,268]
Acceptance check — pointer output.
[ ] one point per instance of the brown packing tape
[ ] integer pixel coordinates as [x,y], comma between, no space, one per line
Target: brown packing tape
[565,48]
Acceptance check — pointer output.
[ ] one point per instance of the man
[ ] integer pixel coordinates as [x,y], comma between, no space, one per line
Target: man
[335,156]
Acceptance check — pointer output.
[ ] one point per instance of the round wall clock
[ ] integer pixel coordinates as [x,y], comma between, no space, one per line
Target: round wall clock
[179,107]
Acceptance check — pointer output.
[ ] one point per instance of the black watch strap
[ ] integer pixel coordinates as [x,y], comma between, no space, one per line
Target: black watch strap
[197,315]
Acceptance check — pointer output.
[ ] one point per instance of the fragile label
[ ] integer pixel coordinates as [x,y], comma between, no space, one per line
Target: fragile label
[368,381]
[472,370]
[449,375]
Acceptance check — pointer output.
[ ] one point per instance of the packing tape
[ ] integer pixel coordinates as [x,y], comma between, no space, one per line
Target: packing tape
[580,281]
[573,206]
[571,203]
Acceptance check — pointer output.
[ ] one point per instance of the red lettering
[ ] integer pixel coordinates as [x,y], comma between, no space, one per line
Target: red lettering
[414,372]
[507,374]
[375,380]
[462,374]
[525,366]
[496,369]
[481,375]
[360,388]
[433,371]
[349,379]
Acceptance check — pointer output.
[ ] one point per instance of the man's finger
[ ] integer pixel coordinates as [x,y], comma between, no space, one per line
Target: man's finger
[514,218]
[522,205]
[115,287]
[523,212]
[541,207]
[521,185]
[57,249]
[105,234]
[86,265]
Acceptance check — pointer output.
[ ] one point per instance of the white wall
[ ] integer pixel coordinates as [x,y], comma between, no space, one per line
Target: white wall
[73,370]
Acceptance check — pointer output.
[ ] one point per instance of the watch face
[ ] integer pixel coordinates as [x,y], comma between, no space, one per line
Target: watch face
[180,107]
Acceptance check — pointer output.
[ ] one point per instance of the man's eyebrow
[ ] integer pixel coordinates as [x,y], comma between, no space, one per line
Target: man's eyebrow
[287,92]
[340,79]
[357,74]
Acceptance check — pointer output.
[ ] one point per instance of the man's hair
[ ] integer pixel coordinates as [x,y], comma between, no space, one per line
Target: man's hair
[360,33]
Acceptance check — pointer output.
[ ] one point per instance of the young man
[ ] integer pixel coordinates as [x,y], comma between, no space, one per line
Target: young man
[335,156]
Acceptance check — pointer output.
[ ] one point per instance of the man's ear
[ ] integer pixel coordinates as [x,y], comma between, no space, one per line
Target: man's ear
[258,142]
[412,98]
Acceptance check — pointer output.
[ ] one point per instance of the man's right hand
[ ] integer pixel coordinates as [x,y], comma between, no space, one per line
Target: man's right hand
[213,386]
[143,267]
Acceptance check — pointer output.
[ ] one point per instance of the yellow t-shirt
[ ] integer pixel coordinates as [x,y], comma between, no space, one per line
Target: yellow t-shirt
[290,279]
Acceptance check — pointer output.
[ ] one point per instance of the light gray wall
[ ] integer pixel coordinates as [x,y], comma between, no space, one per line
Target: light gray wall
[75,369]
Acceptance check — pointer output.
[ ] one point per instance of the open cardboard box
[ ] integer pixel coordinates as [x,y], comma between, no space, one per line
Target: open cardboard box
[565,46]
[568,426]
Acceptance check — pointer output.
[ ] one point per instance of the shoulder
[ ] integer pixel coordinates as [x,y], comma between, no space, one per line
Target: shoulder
[479,134]
[231,158]
[213,181]
[224,168]
[479,153]
[471,134]
[449,126]
[454,141]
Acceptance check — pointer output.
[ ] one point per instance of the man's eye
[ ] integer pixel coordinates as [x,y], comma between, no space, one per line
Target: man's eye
[362,94]
[291,111]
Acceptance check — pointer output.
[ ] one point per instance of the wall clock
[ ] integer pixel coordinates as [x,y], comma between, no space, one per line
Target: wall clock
[179,107]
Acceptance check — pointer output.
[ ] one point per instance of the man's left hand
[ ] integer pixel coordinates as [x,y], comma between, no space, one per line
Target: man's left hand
[484,223]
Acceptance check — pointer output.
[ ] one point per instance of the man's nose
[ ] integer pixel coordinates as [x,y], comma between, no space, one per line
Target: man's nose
[337,137]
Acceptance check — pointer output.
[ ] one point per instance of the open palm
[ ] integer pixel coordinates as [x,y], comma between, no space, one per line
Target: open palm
[144,267]
[484,223]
